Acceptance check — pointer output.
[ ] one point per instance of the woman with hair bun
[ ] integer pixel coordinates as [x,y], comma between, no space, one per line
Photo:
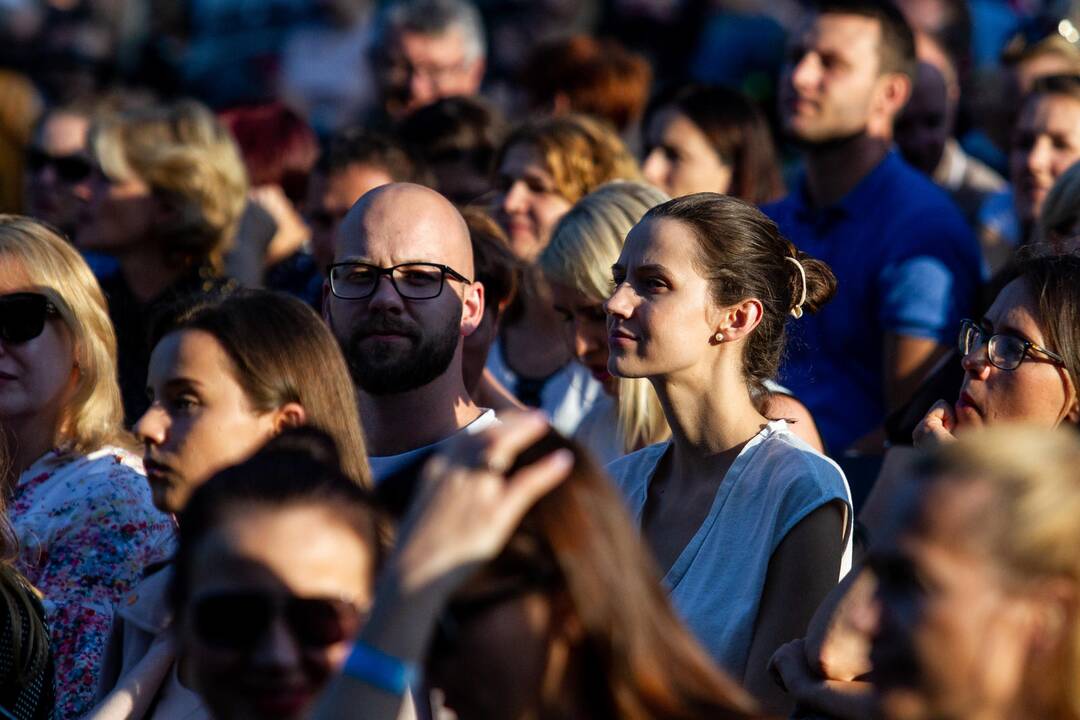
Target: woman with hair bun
[750,524]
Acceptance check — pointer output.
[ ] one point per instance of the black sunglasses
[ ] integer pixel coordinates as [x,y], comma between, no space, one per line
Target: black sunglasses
[22,316]
[237,620]
[69,168]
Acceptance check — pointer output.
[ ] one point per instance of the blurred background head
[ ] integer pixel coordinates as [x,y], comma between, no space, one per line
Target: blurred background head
[425,50]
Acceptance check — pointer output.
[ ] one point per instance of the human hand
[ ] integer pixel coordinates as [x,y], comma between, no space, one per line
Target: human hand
[466,509]
[814,693]
[939,426]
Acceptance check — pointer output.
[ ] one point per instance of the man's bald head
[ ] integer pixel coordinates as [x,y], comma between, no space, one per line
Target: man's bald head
[404,222]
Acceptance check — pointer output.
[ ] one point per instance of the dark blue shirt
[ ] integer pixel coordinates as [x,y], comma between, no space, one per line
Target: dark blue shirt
[906,263]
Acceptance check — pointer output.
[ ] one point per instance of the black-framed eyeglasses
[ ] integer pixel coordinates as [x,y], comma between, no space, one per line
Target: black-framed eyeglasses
[413,281]
[1004,352]
[22,316]
[69,168]
[237,620]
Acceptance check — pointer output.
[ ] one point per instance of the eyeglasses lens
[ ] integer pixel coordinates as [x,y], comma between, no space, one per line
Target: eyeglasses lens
[69,168]
[22,316]
[1006,352]
[414,282]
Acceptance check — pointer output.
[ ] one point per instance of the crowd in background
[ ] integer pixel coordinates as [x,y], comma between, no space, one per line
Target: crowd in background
[549,359]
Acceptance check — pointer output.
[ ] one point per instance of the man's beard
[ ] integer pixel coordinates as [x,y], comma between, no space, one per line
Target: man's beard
[400,366]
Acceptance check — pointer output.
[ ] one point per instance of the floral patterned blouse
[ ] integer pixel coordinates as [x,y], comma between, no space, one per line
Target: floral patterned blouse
[87,530]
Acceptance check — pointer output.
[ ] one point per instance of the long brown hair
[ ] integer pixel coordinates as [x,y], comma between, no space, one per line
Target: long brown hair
[282,352]
[638,659]
[743,255]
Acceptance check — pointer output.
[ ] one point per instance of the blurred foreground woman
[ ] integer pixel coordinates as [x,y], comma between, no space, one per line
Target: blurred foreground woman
[976,611]
[520,587]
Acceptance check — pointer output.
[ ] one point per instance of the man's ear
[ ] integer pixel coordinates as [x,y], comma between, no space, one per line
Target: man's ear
[893,92]
[472,308]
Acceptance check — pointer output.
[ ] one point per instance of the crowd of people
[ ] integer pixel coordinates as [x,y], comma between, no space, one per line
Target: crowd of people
[440,358]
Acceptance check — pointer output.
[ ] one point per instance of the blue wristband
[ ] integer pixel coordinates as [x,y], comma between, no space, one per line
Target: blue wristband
[376,668]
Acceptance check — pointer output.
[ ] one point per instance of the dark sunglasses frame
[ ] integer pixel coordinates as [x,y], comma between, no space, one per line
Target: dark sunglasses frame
[70,168]
[23,315]
[446,270]
[988,340]
[237,620]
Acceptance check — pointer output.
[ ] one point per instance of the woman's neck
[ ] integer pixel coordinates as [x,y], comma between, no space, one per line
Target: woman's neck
[27,440]
[148,274]
[710,414]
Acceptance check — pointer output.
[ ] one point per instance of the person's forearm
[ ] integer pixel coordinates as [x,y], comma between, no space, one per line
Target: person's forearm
[401,624]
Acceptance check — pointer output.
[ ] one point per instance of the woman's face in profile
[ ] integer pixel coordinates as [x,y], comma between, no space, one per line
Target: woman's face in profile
[276,597]
[952,638]
[679,158]
[200,419]
[528,203]
[660,314]
[1038,391]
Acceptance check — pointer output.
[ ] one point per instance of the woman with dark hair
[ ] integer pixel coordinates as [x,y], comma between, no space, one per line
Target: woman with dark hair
[516,563]
[274,577]
[750,524]
[710,139]
[226,375]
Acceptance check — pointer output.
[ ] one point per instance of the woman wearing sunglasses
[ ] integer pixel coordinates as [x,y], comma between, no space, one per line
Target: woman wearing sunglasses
[226,375]
[274,576]
[519,588]
[80,505]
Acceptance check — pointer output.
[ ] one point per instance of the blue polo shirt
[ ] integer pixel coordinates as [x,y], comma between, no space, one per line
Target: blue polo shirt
[906,263]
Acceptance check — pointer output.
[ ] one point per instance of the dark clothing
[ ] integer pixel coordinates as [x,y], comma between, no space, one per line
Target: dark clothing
[134,320]
[906,263]
[32,698]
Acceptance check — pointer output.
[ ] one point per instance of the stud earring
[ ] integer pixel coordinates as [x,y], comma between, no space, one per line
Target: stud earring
[719,337]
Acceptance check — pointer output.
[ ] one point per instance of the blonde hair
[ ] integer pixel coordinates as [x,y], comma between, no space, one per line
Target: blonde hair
[584,245]
[1032,528]
[184,153]
[581,153]
[94,415]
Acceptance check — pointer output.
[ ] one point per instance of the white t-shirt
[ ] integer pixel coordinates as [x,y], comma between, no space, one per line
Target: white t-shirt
[383,466]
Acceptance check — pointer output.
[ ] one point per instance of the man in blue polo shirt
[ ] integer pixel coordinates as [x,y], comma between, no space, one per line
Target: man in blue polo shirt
[908,265]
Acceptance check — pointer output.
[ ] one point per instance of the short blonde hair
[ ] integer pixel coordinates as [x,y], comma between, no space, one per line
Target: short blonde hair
[182,152]
[1032,528]
[584,245]
[94,415]
[581,153]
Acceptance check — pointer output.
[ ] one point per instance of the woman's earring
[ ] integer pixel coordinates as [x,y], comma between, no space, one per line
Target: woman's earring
[719,337]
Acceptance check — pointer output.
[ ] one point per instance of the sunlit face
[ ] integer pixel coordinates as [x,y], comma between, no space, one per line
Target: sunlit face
[660,316]
[37,377]
[528,204]
[200,419]
[679,158]
[926,123]
[422,68]
[299,551]
[829,83]
[1037,392]
[585,330]
[1045,143]
[952,639]
[119,216]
